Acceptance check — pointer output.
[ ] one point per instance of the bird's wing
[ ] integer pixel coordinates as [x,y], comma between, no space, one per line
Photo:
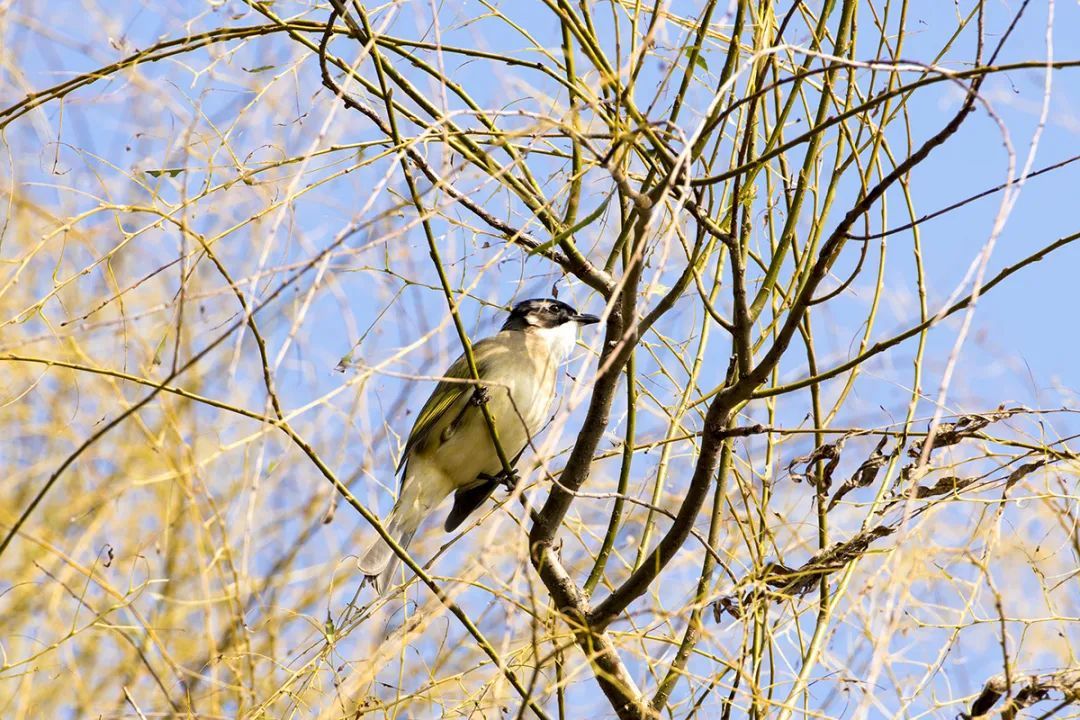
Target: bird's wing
[445,396]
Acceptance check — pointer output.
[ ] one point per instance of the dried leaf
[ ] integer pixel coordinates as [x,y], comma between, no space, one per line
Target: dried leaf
[726,604]
[830,453]
[965,427]
[944,485]
[866,473]
[1021,472]
[1026,690]
[801,580]
[952,484]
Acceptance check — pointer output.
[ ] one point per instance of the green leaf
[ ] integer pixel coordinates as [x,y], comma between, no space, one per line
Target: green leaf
[258,69]
[328,628]
[345,362]
[171,172]
[699,59]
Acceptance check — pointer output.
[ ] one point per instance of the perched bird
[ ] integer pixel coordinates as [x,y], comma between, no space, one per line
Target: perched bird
[450,450]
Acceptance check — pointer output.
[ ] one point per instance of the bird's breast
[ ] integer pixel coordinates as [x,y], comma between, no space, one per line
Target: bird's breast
[522,388]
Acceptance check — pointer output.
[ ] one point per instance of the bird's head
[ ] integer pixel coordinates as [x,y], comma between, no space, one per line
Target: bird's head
[551,319]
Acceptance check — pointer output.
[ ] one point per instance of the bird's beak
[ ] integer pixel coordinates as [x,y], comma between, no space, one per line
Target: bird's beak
[583,319]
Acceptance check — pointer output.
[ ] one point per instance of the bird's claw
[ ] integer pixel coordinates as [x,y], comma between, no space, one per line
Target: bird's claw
[507,480]
[480,396]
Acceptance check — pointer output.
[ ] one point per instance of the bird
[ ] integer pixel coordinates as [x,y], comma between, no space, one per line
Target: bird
[450,450]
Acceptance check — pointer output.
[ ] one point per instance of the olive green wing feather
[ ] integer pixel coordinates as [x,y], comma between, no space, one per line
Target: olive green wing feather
[446,395]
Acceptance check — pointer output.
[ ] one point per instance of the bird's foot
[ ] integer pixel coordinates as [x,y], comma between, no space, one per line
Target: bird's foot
[480,396]
[507,480]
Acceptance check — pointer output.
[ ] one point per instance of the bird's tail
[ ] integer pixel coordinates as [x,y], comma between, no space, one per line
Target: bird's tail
[379,563]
